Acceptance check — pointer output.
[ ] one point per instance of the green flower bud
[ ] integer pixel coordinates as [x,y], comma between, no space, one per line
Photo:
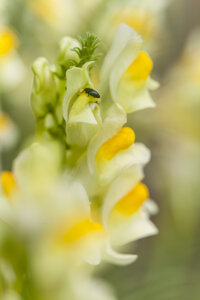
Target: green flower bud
[44,94]
[68,57]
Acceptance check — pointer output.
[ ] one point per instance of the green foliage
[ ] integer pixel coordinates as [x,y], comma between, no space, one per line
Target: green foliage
[88,46]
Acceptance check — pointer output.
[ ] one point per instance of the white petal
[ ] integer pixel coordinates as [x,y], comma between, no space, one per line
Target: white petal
[85,115]
[136,154]
[114,120]
[12,72]
[8,135]
[85,288]
[132,228]
[151,207]
[5,210]
[152,84]
[119,188]
[77,79]
[134,99]
[119,259]
[124,50]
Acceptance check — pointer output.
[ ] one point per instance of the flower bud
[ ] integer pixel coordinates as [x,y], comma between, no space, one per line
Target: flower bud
[44,94]
[66,54]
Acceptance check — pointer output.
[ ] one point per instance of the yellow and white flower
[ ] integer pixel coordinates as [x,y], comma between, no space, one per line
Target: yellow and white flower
[56,13]
[124,213]
[109,155]
[113,183]
[144,16]
[8,132]
[52,215]
[12,69]
[80,110]
[126,71]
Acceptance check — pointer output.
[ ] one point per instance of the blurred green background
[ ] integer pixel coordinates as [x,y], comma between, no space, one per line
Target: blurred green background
[168,266]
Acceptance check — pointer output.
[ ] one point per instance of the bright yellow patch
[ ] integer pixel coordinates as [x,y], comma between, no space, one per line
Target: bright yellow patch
[142,21]
[80,230]
[8,41]
[120,141]
[140,68]
[131,202]
[48,10]
[8,183]
[4,122]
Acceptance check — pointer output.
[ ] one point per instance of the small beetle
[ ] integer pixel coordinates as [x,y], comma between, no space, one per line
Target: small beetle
[92,93]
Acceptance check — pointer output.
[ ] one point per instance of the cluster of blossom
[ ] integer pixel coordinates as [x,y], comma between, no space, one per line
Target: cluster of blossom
[75,195]
[64,17]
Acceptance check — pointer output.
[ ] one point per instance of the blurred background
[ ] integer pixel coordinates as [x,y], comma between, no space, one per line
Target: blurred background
[169,263]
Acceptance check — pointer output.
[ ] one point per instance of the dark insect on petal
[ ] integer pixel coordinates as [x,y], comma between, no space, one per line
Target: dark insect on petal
[92,93]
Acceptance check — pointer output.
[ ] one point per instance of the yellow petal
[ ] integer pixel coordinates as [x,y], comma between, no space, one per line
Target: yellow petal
[8,183]
[80,230]
[8,41]
[141,20]
[131,202]
[120,141]
[140,68]
[4,122]
[51,11]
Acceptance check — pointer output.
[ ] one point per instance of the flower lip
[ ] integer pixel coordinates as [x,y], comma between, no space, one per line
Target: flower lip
[4,122]
[8,41]
[80,230]
[8,183]
[141,67]
[132,201]
[121,141]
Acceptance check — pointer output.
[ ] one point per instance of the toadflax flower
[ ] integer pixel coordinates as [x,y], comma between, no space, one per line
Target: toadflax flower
[75,195]
[8,131]
[12,69]
[145,16]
